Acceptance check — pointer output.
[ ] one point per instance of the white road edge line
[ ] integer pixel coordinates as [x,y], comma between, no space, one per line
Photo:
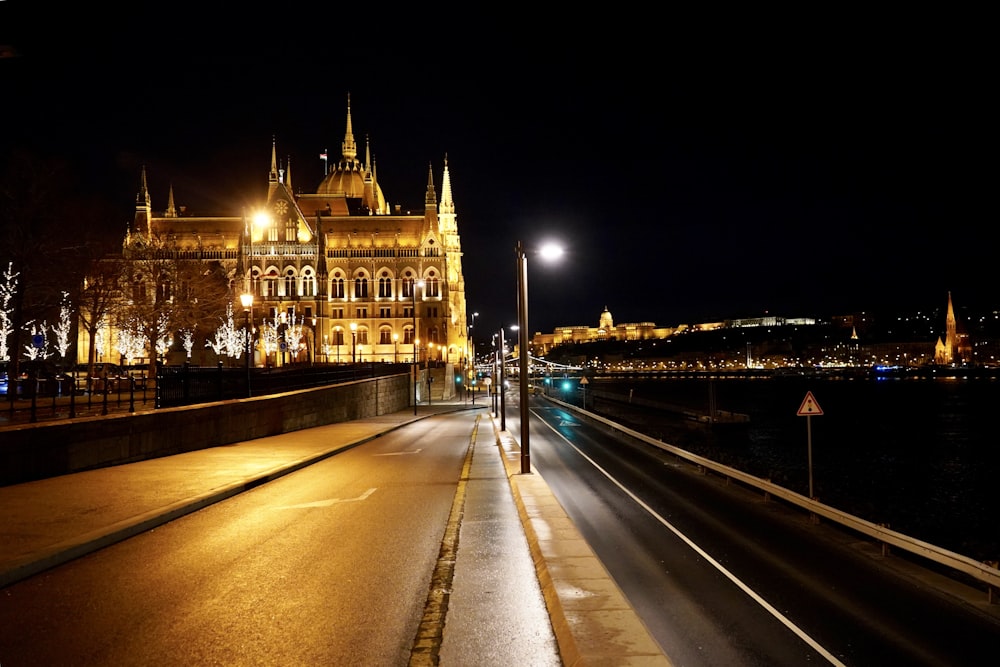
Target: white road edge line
[701,552]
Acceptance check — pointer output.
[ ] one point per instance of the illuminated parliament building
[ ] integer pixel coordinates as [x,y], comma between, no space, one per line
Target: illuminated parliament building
[360,279]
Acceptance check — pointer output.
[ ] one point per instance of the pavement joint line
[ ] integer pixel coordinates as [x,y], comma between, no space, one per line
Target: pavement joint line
[430,633]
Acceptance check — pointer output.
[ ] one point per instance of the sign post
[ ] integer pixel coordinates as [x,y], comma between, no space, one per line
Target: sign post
[808,409]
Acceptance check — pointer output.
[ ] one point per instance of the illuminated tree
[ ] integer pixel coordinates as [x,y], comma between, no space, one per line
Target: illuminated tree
[64,327]
[38,348]
[8,286]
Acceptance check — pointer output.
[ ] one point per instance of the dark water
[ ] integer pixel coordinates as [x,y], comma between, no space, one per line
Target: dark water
[921,455]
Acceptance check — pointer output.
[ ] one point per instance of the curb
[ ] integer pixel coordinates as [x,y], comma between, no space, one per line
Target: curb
[593,622]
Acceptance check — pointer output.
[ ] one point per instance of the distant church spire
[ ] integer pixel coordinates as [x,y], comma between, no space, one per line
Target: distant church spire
[171,210]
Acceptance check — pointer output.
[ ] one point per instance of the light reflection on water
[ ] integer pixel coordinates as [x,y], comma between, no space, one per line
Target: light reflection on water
[921,455]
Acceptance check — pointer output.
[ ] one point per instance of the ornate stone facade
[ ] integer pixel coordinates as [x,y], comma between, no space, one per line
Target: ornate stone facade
[361,280]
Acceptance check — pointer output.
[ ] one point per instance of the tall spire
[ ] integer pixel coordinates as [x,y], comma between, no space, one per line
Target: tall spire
[143,209]
[288,174]
[273,176]
[430,199]
[447,205]
[350,149]
[171,210]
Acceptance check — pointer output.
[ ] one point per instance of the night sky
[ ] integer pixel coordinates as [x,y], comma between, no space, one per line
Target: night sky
[693,169]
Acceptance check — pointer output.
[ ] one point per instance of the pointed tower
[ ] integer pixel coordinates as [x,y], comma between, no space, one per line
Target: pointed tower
[353,179]
[171,209]
[143,211]
[430,206]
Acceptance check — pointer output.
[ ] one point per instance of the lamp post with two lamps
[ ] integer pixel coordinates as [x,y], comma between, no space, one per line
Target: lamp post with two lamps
[472,358]
[546,252]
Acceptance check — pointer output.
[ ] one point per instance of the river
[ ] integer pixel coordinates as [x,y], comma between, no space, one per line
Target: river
[919,455]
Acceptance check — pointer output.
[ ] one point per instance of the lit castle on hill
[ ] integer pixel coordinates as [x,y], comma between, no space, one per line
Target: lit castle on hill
[770,342]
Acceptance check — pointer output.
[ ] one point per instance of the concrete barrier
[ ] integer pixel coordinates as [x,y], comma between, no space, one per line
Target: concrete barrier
[37,451]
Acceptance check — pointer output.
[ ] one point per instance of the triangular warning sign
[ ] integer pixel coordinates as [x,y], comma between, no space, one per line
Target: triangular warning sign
[809,406]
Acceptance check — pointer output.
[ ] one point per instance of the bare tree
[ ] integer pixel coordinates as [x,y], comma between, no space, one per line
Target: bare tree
[163,292]
[99,294]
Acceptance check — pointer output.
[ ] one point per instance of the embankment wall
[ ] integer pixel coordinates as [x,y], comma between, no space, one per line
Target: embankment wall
[38,451]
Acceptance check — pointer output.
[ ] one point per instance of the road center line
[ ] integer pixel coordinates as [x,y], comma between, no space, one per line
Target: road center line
[326,503]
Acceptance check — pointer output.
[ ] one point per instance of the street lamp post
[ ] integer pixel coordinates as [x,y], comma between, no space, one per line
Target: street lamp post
[247,301]
[472,357]
[354,341]
[503,364]
[416,340]
[339,340]
[430,347]
[522,326]
[315,341]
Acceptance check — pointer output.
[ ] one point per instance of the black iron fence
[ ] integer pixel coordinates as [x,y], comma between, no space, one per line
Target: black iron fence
[187,385]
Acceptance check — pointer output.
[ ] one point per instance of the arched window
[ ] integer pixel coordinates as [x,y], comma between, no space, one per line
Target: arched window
[385,336]
[290,283]
[408,335]
[407,288]
[338,336]
[308,283]
[362,335]
[432,287]
[337,288]
[385,286]
[360,287]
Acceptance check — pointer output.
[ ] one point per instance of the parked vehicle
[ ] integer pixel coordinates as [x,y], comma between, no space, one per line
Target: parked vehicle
[105,377]
[3,378]
[43,377]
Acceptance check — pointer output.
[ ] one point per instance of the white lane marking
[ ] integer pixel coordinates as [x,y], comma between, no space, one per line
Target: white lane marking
[326,503]
[732,577]
[412,451]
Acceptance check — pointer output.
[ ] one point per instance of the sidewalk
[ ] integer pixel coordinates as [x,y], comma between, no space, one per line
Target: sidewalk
[570,612]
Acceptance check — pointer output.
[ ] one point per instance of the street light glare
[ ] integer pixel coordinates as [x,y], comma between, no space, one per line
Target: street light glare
[550,251]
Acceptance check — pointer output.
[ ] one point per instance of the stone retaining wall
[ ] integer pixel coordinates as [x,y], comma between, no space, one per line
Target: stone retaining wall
[38,451]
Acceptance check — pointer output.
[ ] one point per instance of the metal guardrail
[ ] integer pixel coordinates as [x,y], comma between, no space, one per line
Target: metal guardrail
[987,573]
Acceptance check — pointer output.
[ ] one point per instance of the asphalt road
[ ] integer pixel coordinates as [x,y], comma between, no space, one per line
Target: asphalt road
[329,565]
[722,578]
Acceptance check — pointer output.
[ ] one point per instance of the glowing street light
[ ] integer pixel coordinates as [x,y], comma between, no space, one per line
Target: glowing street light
[247,301]
[548,252]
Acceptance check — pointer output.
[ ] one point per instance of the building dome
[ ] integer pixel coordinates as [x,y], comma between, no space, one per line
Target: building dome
[352,177]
